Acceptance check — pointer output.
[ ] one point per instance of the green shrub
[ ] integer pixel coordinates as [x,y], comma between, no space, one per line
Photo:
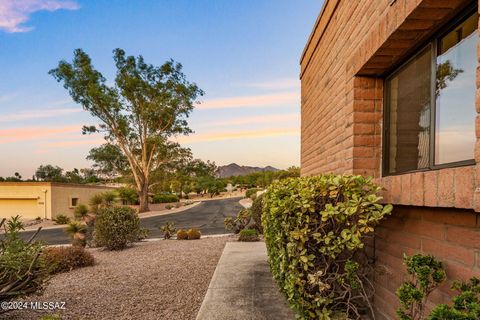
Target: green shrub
[314,229]
[62,219]
[168,207]
[165,198]
[250,192]
[143,233]
[465,306]
[116,227]
[77,232]
[182,235]
[128,195]
[194,234]
[168,230]
[22,269]
[238,223]
[256,213]
[80,211]
[50,317]
[248,235]
[426,273]
[64,259]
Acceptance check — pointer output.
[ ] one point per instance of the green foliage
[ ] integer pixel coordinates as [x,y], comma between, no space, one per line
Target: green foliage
[128,195]
[465,306]
[77,232]
[22,269]
[239,222]
[64,259]
[314,229]
[143,234]
[80,211]
[62,219]
[194,234]
[116,227]
[250,192]
[50,317]
[257,211]
[426,273]
[165,198]
[248,235]
[182,235]
[263,178]
[168,230]
[168,207]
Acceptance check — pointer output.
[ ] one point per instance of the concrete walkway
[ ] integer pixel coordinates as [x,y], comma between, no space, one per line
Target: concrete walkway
[242,287]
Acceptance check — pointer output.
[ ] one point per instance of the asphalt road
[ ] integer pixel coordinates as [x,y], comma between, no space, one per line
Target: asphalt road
[207,216]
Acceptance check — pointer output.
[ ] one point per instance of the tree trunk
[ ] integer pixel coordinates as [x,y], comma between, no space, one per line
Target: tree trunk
[143,198]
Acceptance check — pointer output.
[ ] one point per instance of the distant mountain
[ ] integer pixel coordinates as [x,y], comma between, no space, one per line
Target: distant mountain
[234,169]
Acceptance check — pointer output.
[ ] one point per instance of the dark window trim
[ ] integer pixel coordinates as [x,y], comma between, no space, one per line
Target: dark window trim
[433,43]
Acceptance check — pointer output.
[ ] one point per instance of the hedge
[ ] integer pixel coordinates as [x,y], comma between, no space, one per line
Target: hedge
[165,198]
[314,229]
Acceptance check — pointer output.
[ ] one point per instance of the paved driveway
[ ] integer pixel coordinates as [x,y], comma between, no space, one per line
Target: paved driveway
[207,216]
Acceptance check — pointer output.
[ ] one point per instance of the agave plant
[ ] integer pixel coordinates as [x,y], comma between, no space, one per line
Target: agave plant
[168,230]
[77,231]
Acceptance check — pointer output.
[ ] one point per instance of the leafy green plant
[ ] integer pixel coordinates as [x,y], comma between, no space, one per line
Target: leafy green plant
[465,306]
[128,195]
[250,192]
[143,234]
[426,273]
[62,219]
[194,234]
[165,198]
[248,235]
[168,230]
[239,222]
[116,227]
[182,235]
[22,269]
[77,232]
[80,211]
[168,207]
[314,229]
[256,213]
[64,259]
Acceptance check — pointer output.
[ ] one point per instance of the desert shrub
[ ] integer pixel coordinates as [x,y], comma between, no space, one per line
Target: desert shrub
[168,207]
[256,212]
[250,192]
[61,219]
[314,229]
[77,232]
[168,230]
[22,269]
[178,205]
[64,259]
[50,317]
[143,233]
[116,227]
[248,235]
[80,211]
[182,235]
[128,195]
[165,198]
[238,223]
[194,234]
[465,306]
[109,197]
[426,273]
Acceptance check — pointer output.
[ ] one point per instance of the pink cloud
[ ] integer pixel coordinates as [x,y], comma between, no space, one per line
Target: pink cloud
[14,13]
[266,100]
[72,143]
[34,133]
[266,119]
[218,136]
[37,114]
[276,84]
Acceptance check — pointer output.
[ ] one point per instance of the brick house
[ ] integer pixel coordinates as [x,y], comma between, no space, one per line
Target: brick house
[391,89]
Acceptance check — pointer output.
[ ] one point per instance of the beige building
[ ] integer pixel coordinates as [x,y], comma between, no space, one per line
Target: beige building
[44,199]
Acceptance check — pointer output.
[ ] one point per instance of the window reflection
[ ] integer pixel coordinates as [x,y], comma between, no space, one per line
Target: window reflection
[455,94]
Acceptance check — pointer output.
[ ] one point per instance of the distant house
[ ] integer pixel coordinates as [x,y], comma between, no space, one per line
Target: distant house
[44,199]
[390,89]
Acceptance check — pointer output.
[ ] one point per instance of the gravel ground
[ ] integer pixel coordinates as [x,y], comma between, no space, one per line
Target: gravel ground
[151,280]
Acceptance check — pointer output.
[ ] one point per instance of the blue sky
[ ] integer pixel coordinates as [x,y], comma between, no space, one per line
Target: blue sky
[244,54]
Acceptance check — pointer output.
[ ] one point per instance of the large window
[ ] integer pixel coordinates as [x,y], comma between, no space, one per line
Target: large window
[430,104]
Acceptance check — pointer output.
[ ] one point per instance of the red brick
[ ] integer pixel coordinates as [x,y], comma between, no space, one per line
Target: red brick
[430,183]
[445,191]
[445,251]
[468,237]
[454,217]
[406,189]
[423,228]
[396,189]
[417,189]
[464,187]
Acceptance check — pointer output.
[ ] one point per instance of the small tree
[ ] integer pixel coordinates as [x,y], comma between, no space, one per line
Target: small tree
[146,106]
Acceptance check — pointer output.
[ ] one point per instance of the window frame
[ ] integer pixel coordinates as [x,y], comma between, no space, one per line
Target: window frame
[432,42]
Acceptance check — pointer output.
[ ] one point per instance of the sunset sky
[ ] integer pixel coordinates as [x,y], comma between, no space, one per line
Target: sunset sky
[244,54]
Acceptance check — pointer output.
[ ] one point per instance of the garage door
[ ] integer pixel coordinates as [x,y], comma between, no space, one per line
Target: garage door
[27,208]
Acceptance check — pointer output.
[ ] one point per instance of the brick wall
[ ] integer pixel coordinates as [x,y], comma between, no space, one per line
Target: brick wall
[353,45]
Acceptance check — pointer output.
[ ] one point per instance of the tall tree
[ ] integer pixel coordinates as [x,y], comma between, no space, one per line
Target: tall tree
[145,107]
[49,173]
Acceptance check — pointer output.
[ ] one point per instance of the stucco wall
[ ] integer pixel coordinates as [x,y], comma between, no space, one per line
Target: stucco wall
[26,199]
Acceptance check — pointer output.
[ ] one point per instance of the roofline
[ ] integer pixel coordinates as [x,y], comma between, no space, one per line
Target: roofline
[52,184]
[310,37]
